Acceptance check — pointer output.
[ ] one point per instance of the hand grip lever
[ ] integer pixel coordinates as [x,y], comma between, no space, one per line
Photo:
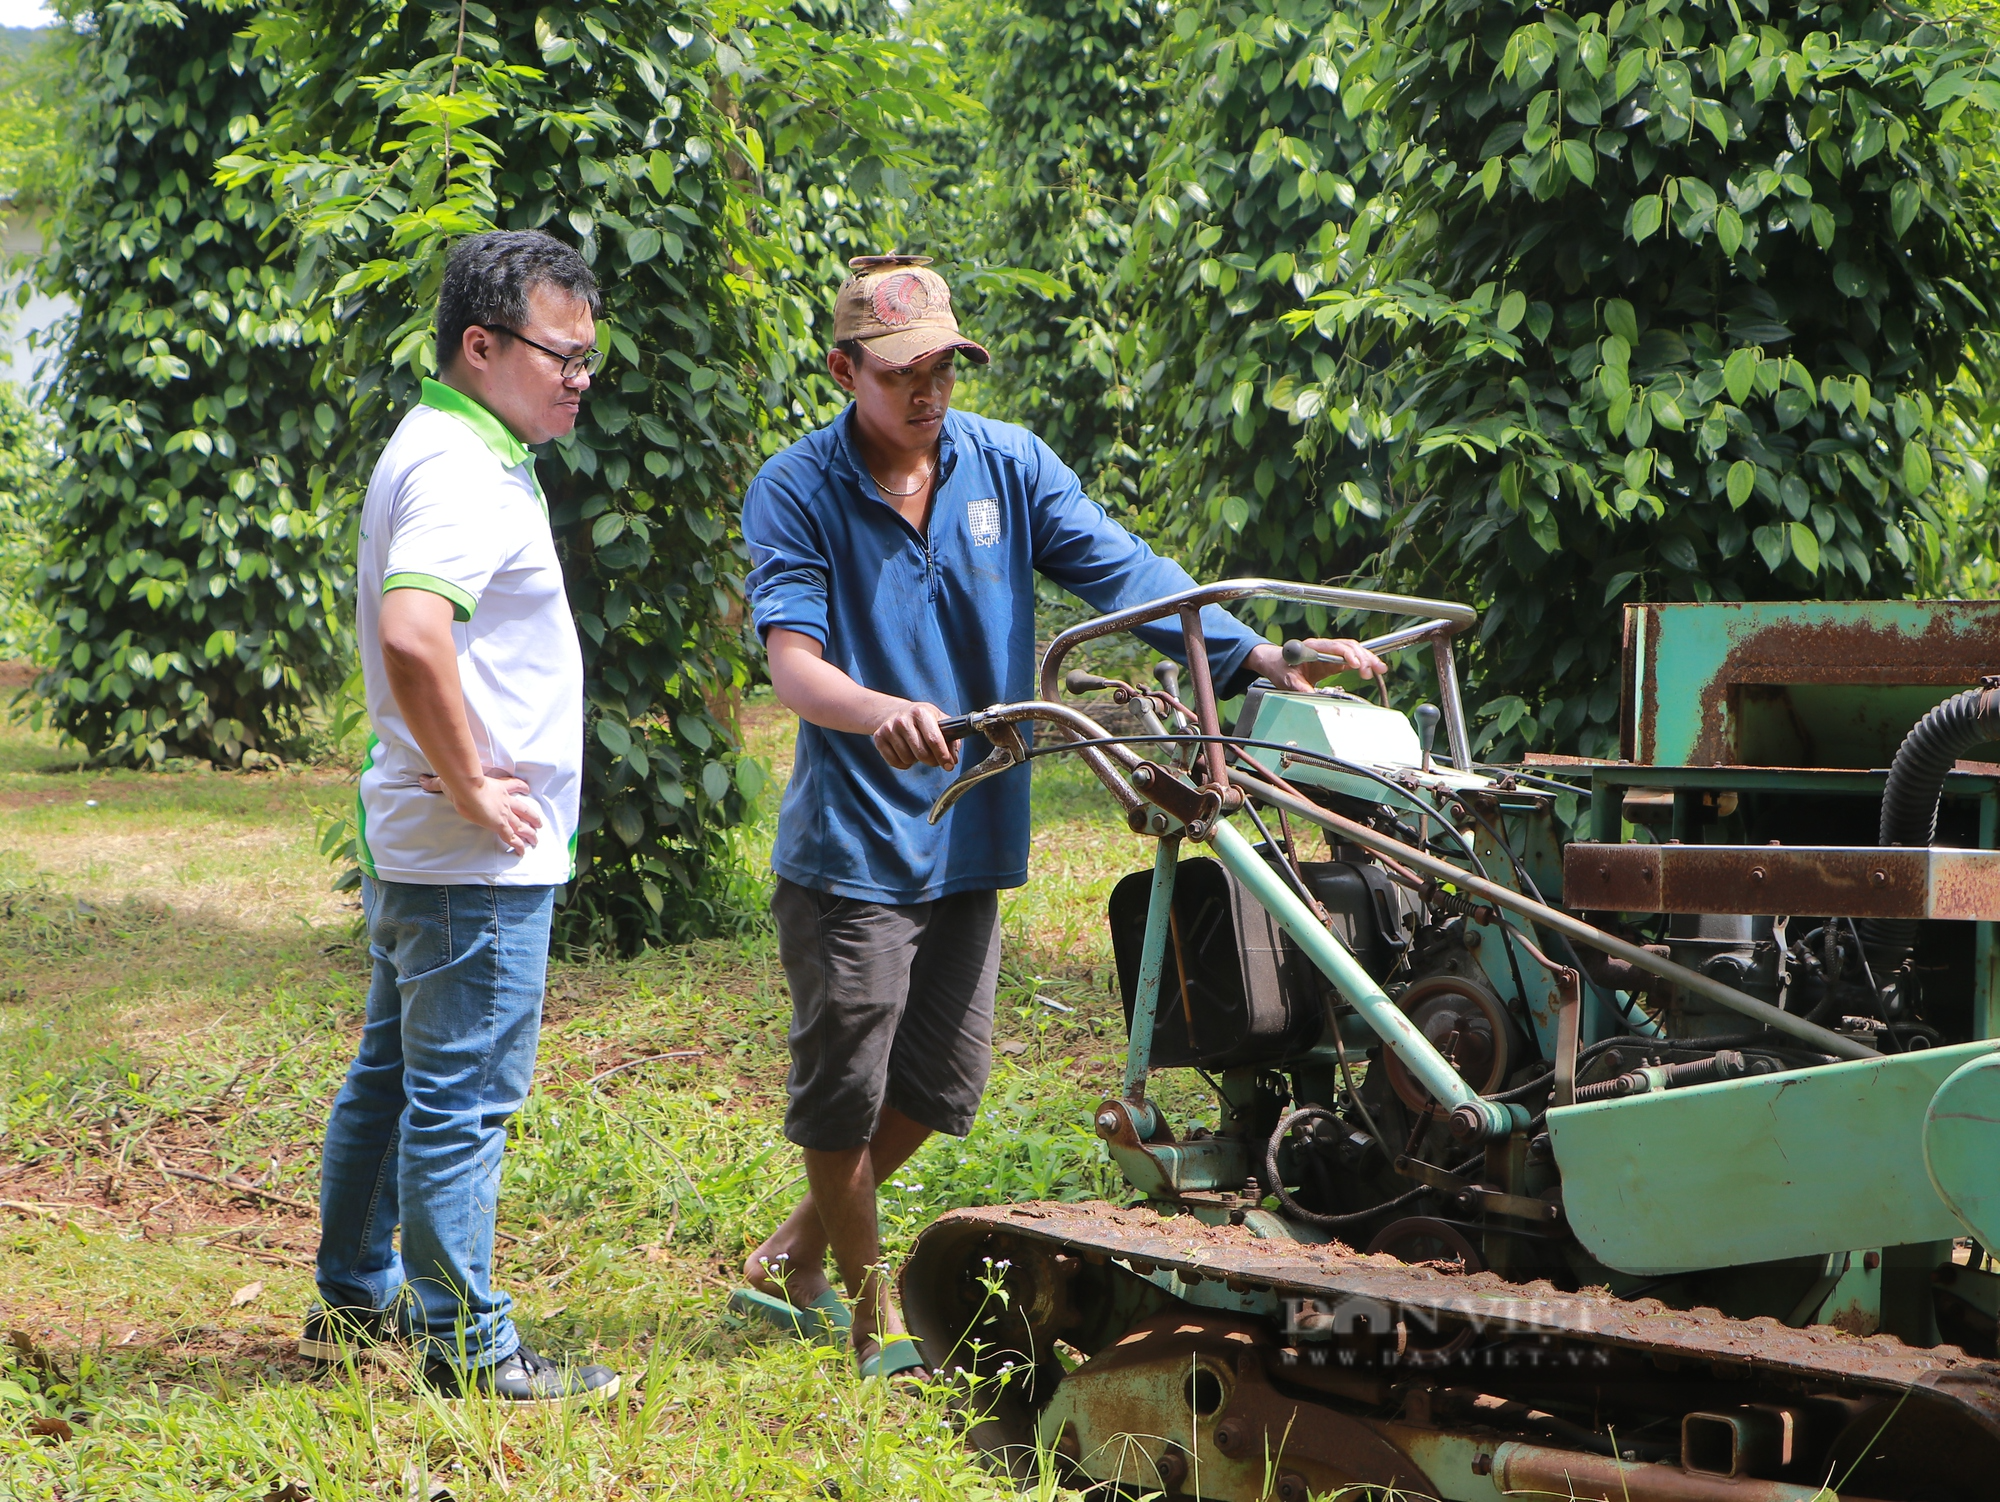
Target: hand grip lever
[957,728]
[1297,654]
[1167,674]
[1081,682]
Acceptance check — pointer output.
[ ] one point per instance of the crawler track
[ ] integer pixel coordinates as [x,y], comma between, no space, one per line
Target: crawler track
[1406,1351]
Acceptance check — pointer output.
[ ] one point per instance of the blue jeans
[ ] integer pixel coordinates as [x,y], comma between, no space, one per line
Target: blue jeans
[416,1133]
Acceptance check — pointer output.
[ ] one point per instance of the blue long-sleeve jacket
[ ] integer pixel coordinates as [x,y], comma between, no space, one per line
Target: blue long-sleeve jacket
[946,617]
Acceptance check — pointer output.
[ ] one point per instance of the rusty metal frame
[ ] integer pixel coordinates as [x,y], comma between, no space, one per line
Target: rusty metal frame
[1820,880]
[1111,763]
[1448,620]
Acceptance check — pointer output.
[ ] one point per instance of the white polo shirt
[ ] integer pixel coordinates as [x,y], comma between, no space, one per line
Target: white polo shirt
[454,508]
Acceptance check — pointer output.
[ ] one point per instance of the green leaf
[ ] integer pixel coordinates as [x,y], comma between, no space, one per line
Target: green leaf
[1905,198]
[1851,279]
[1770,545]
[1742,481]
[1581,160]
[1513,308]
[1805,545]
[1916,470]
[607,529]
[614,737]
[1630,67]
[627,823]
[1619,409]
[1235,512]
[641,245]
[1643,218]
[1712,118]
[1489,175]
[1679,551]
[1728,230]
[1620,320]
[1592,52]
[715,781]
[1739,374]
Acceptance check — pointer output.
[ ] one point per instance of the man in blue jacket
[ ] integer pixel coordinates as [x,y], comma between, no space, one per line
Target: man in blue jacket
[893,556]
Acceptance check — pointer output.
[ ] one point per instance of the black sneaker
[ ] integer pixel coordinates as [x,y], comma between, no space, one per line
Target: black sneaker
[334,1335]
[525,1377]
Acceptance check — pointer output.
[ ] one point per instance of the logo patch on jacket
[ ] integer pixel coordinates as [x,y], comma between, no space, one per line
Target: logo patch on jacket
[983,520]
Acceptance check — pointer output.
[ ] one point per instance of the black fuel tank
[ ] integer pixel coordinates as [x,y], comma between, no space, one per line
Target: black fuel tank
[1235,990]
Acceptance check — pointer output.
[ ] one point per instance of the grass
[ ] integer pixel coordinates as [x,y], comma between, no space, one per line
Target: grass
[179,994]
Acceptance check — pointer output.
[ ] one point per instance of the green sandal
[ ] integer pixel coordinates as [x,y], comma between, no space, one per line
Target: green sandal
[891,1358]
[824,1318]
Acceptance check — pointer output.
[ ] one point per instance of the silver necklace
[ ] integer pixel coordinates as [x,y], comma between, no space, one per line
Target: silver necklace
[914,489]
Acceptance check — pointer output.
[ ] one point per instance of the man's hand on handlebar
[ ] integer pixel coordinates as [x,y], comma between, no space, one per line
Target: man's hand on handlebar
[1337,654]
[910,735]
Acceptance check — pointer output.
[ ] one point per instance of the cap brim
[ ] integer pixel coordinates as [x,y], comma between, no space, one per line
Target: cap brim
[907,346]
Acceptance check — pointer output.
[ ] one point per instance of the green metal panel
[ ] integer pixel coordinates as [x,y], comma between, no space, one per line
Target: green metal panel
[1962,1147]
[1152,962]
[1804,683]
[1985,953]
[1754,1170]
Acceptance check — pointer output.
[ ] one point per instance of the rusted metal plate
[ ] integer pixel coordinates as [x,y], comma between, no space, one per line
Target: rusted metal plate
[1816,880]
[1231,1255]
[1804,683]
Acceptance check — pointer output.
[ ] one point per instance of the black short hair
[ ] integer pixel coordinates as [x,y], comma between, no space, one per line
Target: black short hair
[487,278]
[851,348]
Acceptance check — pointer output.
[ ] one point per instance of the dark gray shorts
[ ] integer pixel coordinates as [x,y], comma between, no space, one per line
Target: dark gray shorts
[891,1005]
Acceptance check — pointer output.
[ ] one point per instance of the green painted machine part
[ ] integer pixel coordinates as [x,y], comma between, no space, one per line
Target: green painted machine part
[1801,684]
[1962,1146]
[1152,961]
[1618,1130]
[1758,1170]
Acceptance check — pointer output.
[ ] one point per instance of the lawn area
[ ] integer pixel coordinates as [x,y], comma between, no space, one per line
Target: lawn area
[180,990]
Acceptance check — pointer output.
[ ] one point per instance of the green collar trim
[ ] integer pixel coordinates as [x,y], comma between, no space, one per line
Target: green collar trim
[508,449]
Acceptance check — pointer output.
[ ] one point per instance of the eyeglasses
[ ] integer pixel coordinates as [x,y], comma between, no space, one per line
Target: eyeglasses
[573,366]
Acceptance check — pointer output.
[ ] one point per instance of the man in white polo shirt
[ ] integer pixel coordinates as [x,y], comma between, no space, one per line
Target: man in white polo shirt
[468,812]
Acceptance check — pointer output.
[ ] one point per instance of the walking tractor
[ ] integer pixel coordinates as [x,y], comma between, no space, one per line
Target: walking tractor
[1652,1166]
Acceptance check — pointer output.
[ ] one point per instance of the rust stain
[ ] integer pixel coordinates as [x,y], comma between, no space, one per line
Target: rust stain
[1858,882]
[1954,649]
[1861,652]
[1142,1238]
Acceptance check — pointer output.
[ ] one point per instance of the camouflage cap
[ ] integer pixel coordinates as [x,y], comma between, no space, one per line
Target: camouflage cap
[900,310]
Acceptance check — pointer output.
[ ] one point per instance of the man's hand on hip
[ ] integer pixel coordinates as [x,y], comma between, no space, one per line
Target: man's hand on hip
[910,735]
[1269,662]
[493,801]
